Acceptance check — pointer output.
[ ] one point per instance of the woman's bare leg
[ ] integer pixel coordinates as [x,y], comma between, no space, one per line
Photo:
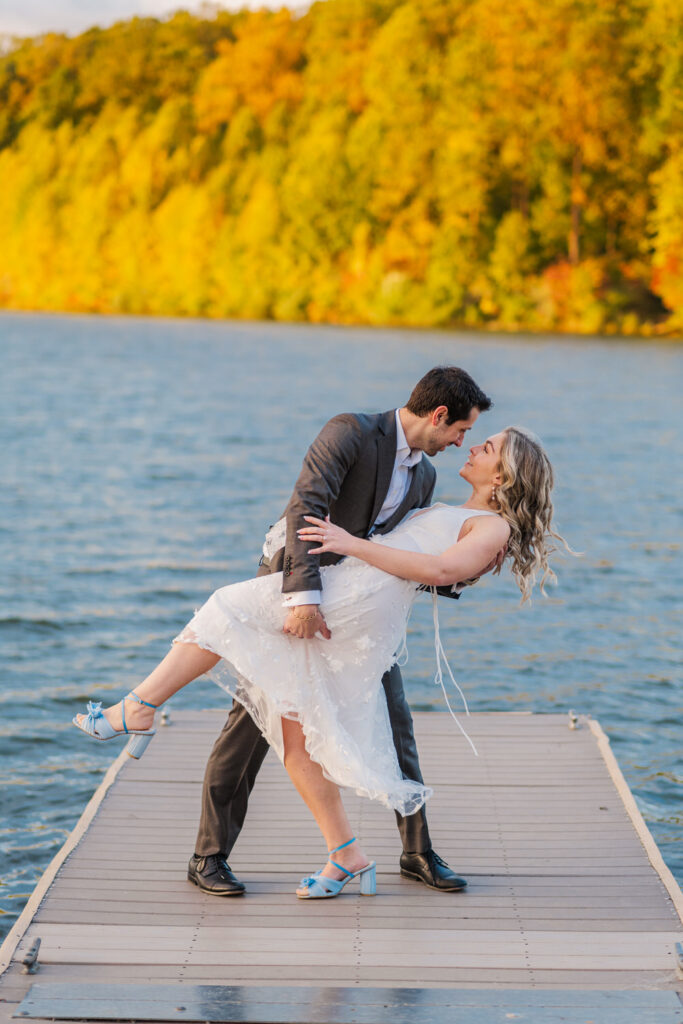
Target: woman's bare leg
[183,663]
[323,799]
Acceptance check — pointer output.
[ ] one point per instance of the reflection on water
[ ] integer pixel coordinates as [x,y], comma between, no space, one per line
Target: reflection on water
[143,461]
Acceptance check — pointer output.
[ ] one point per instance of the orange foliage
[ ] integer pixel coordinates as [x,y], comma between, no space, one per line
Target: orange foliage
[480,162]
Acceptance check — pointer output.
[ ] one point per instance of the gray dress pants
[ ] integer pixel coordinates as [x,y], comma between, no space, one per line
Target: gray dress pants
[238,754]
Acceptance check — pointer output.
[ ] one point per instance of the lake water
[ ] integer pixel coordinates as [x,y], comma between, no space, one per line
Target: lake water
[142,461]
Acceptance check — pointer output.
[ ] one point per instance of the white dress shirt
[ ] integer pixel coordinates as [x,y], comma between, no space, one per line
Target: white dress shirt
[406,458]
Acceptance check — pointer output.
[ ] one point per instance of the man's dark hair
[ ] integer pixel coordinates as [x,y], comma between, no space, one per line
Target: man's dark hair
[449,386]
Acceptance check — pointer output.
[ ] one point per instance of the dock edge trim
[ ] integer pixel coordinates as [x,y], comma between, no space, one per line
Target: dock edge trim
[21,925]
[653,852]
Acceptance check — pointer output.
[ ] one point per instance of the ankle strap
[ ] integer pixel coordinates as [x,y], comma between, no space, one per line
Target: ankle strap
[349,873]
[134,696]
[336,850]
[343,845]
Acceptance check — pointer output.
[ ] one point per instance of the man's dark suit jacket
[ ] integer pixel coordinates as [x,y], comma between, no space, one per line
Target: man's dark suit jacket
[346,473]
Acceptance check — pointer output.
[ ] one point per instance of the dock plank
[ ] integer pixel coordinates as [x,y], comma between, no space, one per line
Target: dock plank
[340,1005]
[567,892]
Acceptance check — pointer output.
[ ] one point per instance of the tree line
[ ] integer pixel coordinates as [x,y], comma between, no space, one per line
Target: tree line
[432,162]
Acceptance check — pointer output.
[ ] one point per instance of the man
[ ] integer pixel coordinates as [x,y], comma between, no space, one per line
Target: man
[366,472]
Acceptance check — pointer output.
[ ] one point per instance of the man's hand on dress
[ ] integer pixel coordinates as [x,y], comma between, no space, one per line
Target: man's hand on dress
[304,621]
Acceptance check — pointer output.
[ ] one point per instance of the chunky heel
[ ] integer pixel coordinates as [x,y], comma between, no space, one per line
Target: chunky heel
[137,745]
[368,881]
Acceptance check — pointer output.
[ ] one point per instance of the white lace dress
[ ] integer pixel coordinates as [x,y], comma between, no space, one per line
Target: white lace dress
[333,687]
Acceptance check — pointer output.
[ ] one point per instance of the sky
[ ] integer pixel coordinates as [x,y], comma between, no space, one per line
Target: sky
[33,17]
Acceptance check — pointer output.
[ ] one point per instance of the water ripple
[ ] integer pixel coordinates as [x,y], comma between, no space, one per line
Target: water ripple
[143,461]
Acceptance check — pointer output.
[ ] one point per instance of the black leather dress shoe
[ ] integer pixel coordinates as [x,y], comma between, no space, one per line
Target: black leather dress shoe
[213,875]
[432,870]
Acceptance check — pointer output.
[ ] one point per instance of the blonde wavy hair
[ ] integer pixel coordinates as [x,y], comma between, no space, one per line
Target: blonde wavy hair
[523,498]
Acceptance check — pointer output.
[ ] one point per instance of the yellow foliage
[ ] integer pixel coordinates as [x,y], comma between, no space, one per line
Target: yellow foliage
[478,162]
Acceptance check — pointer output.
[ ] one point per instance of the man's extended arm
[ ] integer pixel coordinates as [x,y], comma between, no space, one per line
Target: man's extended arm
[324,469]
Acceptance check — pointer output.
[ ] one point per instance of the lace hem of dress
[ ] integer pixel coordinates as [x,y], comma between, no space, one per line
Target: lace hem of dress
[406,796]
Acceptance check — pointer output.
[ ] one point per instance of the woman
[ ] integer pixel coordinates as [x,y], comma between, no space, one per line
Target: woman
[320,704]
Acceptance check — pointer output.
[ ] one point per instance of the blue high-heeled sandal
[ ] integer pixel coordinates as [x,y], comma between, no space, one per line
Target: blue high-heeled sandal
[96,725]
[320,887]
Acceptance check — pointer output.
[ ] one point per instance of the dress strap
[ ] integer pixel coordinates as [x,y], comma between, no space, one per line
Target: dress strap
[438,678]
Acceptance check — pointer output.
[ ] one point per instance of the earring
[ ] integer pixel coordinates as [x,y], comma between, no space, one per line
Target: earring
[494,496]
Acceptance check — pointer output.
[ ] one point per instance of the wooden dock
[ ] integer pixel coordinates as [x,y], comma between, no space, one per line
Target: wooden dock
[570,914]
